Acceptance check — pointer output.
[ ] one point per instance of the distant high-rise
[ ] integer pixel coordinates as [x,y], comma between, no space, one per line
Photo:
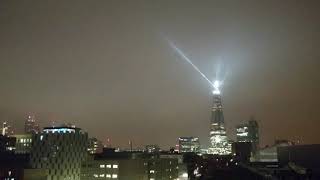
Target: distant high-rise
[189,144]
[6,129]
[94,146]
[30,125]
[218,136]
[152,148]
[61,150]
[249,132]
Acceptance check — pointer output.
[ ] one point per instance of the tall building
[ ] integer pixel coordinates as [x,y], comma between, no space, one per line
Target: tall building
[30,125]
[6,129]
[94,146]
[218,135]
[249,132]
[189,144]
[61,150]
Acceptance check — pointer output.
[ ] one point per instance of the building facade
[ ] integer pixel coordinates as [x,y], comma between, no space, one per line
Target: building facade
[129,166]
[23,143]
[189,144]
[61,150]
[249,132]
[94,146]
[30,125]
[6,129]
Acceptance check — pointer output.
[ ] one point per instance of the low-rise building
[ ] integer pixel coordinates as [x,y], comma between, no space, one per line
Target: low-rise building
[129,166]
[23,143]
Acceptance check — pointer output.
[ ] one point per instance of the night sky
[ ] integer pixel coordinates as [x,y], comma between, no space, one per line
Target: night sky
[106,67]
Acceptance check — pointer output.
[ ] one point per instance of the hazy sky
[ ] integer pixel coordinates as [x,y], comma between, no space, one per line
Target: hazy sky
[106,67]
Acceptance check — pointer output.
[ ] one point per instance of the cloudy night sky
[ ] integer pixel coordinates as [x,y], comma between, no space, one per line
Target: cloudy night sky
[106,67]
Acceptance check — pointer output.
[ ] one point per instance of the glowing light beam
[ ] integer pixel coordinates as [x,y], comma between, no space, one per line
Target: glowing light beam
[184,57]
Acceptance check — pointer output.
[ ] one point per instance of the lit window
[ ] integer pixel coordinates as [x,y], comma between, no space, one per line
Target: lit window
[101,175]
[114,176]
[152,179]
[95,175]
[108,175]
[115,166]
[151,171]
[102,165]
[109,166]
[185,175]
[41,137]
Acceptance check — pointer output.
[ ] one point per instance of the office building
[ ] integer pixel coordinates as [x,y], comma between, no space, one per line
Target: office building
[23,143]
[129,165]
[189,144]
[94,146]
[270,153]
[6,129]
[61,150]
[30,125]
[249,132]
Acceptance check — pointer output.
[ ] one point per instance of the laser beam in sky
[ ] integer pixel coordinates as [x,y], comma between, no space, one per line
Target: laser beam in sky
[184,57]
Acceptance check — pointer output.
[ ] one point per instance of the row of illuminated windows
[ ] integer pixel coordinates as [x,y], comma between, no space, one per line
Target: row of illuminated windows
[242,134]
[113,176]
[115,166]
[25,140]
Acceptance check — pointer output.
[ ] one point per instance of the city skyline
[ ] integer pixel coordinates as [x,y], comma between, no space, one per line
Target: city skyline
[105,67]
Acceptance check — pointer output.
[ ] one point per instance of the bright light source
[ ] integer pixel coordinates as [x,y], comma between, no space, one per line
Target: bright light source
[185,175]
[114,176]
[216,85]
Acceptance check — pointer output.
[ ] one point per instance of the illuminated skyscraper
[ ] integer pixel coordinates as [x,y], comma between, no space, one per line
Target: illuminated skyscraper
[249,132]
[30,125]
[218,136]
